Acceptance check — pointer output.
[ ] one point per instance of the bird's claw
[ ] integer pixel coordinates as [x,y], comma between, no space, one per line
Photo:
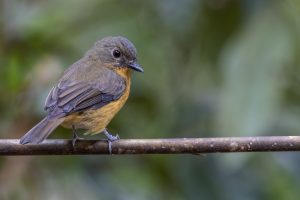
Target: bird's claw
[75,137]
[110,139]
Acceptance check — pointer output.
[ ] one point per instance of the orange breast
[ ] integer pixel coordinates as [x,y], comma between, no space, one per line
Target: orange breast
[95,121]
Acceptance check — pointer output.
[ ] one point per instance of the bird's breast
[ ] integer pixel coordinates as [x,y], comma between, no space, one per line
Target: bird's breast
[95,120]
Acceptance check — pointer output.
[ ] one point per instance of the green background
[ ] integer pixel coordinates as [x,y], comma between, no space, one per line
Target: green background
[212,68]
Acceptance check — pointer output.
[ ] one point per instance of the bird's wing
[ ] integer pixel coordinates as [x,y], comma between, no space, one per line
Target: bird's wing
[69,97]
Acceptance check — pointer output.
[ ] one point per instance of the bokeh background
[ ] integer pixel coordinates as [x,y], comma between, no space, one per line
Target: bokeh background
[212,68]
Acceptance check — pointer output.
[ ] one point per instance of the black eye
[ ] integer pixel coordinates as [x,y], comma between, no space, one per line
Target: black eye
[116,53]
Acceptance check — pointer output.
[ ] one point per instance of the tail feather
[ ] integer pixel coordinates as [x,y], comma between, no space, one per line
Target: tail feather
[40,131]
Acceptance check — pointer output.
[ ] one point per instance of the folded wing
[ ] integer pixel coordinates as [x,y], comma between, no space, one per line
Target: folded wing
[71,96]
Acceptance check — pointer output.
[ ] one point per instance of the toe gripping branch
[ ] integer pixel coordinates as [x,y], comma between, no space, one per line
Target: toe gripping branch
[110,139]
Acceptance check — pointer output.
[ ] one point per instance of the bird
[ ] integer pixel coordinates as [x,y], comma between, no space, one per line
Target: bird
[90,92]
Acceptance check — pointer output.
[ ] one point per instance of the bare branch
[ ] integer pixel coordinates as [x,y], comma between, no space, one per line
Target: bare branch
[154,146]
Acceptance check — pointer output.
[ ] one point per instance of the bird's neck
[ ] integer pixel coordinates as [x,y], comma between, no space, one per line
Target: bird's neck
[124,72]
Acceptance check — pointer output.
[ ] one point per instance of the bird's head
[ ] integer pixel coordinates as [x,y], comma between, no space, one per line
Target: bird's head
[118,52]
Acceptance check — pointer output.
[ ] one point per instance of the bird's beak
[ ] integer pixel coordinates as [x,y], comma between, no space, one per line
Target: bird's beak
[135,66]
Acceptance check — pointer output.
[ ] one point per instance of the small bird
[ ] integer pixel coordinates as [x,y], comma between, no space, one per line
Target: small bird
[90,92]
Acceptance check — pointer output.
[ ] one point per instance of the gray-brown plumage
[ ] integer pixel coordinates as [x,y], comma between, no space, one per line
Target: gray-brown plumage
[91,91]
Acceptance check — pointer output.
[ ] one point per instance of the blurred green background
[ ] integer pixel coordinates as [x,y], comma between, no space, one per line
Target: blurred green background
[212,68]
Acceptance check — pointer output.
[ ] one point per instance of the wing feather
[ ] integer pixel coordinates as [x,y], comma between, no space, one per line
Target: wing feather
[67,97]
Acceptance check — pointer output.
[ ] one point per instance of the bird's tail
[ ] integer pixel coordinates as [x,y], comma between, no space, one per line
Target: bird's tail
[41,131]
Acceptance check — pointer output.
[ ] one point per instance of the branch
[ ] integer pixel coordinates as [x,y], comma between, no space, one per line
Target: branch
[154,146]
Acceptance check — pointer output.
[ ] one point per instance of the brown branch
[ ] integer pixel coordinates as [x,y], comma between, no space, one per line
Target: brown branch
[154,146]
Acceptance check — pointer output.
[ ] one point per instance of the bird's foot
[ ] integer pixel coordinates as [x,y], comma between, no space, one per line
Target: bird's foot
[75,137]
[110,138]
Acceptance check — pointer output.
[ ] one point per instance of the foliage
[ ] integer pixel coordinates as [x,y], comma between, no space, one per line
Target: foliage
[212,68]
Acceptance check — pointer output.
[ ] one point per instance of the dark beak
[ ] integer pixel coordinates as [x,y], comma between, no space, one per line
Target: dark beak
[135,66]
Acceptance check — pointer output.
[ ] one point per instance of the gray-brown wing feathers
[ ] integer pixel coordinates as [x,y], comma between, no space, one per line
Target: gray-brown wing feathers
[69,97]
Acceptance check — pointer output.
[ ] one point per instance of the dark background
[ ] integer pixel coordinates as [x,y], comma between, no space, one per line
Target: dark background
[212,68]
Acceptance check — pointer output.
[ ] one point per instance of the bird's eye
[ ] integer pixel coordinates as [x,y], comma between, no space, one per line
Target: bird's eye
[116,53]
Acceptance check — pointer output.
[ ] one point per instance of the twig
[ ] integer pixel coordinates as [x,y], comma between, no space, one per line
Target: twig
[154,146]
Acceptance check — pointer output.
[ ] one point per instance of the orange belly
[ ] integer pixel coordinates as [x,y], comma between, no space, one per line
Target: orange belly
[95,121]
